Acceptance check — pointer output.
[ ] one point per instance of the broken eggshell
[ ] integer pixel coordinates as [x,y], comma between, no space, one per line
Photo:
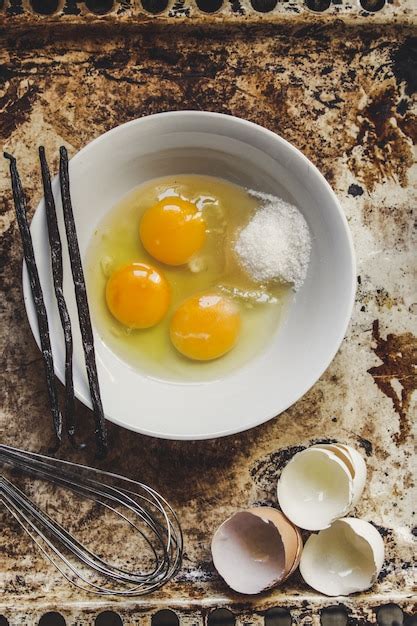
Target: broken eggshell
[355,464]
[321,484]
[359,471]
[256,549]
[345,558]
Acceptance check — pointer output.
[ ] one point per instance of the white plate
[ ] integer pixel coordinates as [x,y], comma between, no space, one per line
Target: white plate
[304,345]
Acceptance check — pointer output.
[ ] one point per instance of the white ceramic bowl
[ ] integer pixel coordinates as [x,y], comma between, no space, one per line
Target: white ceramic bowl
[303,346]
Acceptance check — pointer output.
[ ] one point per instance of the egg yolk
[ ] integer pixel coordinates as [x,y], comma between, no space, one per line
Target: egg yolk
[138,295]
[172,230]
[205,326]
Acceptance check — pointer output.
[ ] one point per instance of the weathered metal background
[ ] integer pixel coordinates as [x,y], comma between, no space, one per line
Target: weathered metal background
[341,86]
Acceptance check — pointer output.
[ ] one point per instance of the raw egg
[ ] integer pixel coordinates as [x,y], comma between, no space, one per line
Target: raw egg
[172,230]
[138,295]
[205,326]
[189,219]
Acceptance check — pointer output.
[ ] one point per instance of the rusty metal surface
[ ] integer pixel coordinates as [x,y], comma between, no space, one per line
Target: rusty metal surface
[211,11]
[347,98]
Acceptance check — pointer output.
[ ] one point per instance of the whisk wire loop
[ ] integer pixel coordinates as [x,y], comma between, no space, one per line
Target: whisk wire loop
[154,520]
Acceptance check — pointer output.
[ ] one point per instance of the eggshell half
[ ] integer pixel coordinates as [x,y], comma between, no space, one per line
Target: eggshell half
[256,549]
[315,488]
[345,558]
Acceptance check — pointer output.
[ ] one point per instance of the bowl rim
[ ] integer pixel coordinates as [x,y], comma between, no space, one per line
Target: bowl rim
[85,399]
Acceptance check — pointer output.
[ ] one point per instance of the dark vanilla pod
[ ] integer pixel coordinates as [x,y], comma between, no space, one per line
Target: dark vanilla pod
[37,294]
[58,275]
[82,304]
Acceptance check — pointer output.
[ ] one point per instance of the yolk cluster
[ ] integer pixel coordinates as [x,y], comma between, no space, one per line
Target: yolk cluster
[205,326]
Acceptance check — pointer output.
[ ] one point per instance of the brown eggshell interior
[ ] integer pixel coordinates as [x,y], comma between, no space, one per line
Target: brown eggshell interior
[289,533]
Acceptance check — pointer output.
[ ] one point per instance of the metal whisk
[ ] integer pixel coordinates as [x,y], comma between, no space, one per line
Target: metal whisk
[144,510]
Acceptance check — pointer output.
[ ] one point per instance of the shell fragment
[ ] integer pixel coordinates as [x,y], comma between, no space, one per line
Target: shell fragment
[345,558]
[256,549]
[321,484]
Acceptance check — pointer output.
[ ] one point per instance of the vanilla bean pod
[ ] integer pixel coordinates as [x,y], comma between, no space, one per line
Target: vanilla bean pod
[58,274]
[82,304]
[37,294]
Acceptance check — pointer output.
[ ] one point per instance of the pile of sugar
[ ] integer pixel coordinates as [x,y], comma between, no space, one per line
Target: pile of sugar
[276,243]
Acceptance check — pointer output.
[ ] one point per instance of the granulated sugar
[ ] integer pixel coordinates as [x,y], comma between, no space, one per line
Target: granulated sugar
[276,243]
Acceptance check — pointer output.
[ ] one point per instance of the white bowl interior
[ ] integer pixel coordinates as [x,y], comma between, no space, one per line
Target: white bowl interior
[302,347]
